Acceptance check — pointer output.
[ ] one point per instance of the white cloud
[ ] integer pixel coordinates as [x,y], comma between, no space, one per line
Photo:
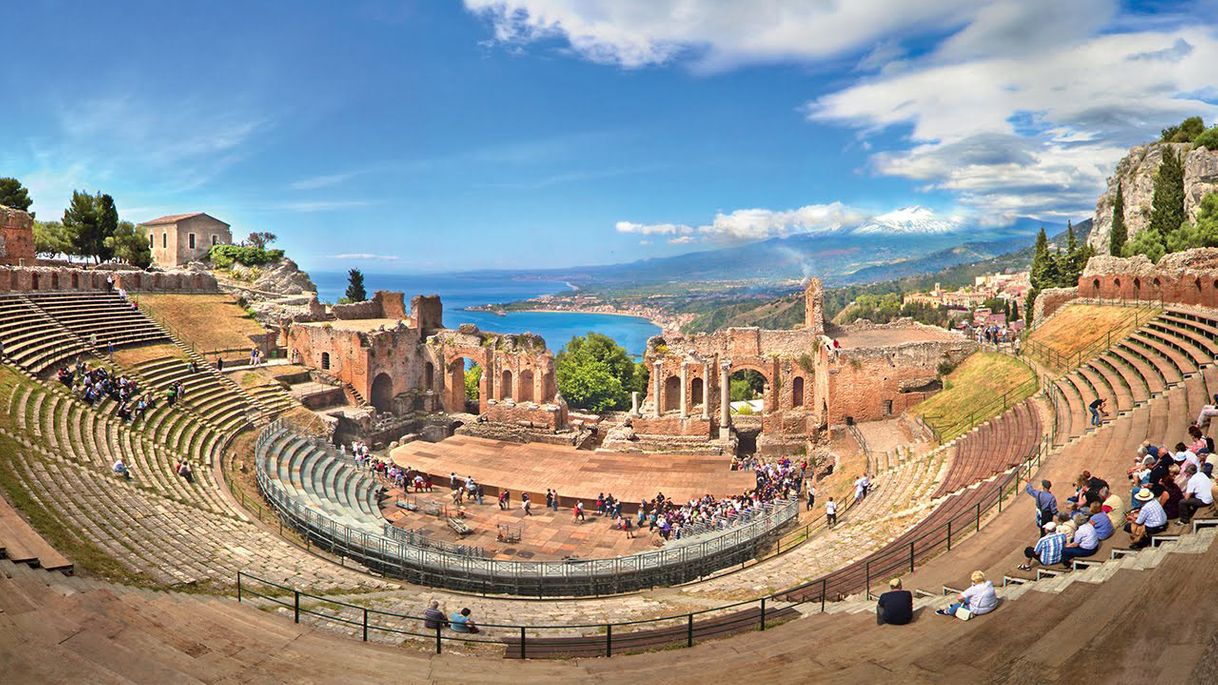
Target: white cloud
[365,256]
[682,240]
[638,33]
[653,229]
[759,224]
[1030,132]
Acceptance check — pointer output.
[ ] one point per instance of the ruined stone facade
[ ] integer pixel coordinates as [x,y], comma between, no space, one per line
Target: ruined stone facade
[16,237]
[181,238]
[1188,277]
[36,278]
[400,362]
[1136,175]
[809,385]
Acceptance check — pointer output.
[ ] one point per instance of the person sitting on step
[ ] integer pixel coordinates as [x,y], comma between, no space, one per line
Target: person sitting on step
[1048,549]
[1100,521]
[1207,412]
[1085,543]
[462,623]
[894,607]
[1198,494]
[1148,519]
[978,599]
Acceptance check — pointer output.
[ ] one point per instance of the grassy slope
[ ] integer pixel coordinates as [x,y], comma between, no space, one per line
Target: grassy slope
[975,388]
[1077,327]
[210,321]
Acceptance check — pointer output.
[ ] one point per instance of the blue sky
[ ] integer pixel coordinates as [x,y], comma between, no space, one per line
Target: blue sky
[425,136]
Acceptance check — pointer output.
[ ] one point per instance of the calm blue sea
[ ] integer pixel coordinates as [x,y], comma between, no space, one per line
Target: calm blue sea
[459,291]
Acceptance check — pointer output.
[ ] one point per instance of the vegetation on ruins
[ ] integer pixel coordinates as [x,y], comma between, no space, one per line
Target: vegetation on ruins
[13,194]
[1118,235]
[473,376]
[597,374]
[355,287]
[746,384]
[226,256]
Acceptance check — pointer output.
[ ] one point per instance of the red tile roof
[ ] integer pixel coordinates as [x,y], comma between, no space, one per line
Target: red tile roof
[175,218]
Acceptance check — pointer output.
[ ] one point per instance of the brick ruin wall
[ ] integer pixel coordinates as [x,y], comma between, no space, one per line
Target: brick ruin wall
[1189,277]
[42,278]
[383,305]
[16,237]
[868,384]
[400,368]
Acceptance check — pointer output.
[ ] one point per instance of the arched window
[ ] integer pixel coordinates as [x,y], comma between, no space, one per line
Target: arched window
[797,392]
[164,240]
[505,385]
[325,360]
[1095,285]
[672,393]
[214,239]
[429,371]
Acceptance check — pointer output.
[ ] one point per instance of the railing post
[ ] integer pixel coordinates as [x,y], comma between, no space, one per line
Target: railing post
[608,639]
[979,516]
[522,638]
[911,556]
[439,639]
[824,590]
[689,631]
[867,590]
[238,586]
[763,613]
[296,593]
[1000,498]
[949,536]
[365,624]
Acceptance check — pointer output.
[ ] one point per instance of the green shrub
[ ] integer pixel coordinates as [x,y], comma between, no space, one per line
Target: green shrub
[1208,139]
[224,256]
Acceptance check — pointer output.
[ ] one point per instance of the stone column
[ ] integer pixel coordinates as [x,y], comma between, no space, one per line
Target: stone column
[725,410]
[684,389]
[659,384]
[706,369]
[634,403]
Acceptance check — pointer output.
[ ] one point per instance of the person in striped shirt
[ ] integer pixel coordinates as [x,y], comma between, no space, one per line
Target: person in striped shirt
[1048,549]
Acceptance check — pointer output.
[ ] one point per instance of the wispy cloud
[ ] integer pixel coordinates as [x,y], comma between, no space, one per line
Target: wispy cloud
[326,181]
[365,256]
[311,206]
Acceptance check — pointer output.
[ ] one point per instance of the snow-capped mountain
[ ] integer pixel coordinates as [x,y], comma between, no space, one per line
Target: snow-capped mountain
[909,220]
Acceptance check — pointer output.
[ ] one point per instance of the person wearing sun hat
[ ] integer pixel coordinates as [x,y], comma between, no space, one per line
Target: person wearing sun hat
[1148,519]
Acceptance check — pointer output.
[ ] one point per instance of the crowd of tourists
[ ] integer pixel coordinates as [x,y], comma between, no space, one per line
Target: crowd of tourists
[93,385]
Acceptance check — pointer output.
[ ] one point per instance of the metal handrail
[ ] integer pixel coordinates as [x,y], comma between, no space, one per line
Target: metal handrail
[682,629]
[696,556]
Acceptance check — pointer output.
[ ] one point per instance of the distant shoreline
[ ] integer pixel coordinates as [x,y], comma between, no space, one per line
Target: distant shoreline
[505,312]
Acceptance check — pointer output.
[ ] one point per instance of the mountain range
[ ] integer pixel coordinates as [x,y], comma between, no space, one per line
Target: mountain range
[904,242]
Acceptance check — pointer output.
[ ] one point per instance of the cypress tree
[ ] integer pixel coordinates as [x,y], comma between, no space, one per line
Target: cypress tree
[1119,234]
[1167,204]
[1042,263]
[355,286]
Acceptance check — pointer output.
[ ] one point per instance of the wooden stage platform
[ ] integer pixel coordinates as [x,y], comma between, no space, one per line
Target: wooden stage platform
[576,474]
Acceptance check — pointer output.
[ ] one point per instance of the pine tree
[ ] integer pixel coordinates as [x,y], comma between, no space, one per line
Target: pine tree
[1119,234]
[355,286]
[1167,203]
[1043,268]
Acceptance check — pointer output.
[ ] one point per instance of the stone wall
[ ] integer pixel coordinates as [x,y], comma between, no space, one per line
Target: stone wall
[1136,174]
[383,305]
[814,307]
[39,278]
[873,383]
[16,237]
[1049,301]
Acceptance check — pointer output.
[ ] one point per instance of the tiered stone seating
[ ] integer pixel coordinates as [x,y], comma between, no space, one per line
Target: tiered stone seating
[1157,356]
[995,446]
[33,340]
[322,479]
[81,434]
[209,394]
[22,544]
[105,315]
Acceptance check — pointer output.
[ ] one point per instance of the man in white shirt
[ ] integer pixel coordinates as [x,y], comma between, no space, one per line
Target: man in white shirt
[1085,542]
[831,512]
[1198,493]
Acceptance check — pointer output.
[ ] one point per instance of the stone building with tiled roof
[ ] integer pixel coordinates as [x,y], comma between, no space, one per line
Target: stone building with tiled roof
[180,238]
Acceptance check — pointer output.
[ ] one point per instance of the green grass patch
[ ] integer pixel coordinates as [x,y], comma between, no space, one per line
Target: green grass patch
[974,393]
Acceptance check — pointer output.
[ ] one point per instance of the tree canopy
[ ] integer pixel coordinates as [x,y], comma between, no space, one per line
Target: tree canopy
[355,286]
[90,219]
[129,245]
[596,374]
[13,194]
[1118,235]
